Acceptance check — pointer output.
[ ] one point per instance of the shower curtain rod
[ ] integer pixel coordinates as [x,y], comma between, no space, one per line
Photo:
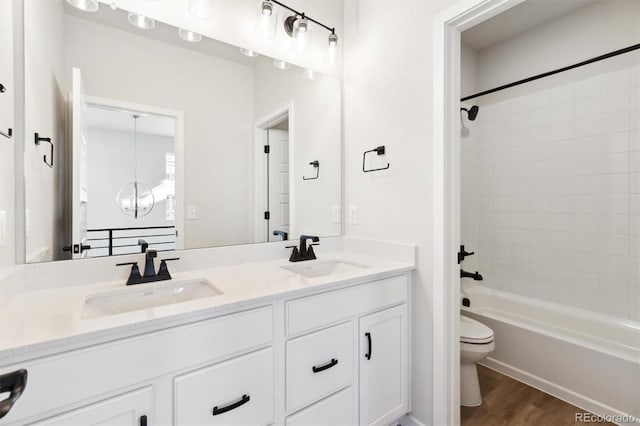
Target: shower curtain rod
[556,71]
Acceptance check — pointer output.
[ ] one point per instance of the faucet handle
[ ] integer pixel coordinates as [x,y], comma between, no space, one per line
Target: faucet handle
[163,271]
[134,276]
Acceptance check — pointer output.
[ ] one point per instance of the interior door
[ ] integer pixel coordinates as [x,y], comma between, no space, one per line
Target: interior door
[79,154]
[278,192]
[383,366]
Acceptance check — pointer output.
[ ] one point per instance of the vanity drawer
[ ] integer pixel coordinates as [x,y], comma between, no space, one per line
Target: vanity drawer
[319,364]
[337,410]
[316,311]
[234,392]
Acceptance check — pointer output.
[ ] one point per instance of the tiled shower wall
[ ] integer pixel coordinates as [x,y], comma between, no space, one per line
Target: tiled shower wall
[551,193]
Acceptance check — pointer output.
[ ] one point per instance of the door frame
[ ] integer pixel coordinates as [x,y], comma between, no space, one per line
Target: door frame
[179,150]
[447,27]
[258,197]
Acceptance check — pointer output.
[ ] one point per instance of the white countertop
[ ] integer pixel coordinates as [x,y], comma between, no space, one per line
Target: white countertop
[45,319]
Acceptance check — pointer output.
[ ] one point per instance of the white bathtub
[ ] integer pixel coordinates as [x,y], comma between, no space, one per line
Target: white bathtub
[587,359]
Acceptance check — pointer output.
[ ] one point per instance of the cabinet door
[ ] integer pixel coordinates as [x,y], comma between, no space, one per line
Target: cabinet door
[130,409]
[384,366]
[336,410]
[6,68]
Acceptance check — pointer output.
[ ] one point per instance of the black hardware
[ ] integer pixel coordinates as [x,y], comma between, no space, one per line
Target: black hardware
[326,366]
[77,248]
[134,275]
[472,112]
[2,88]
[282,234]
[380,151]
[316,166]
[556,71]
[466,302]
[14,383]
[222,410]
[302,14]
[476,275]
[8,134]
[368,354]
[303,252]
[39,139]
[143,420]
[144,245]
[149,265]
[163,271]
[462,254]
[115,235]
[267,215]
[267,149]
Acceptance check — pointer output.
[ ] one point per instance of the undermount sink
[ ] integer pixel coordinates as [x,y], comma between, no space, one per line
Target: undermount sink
[144,296]
[321,268]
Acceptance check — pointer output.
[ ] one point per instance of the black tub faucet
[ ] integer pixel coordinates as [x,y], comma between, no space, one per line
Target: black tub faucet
[475,275]
[303,252]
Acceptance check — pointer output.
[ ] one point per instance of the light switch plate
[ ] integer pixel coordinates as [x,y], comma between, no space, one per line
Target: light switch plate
[3,228]
[335,214]
[353,215]
[192,213]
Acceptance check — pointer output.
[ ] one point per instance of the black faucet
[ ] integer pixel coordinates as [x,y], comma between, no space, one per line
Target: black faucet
[282,234]
[303,252]
[150,275]
[476,275]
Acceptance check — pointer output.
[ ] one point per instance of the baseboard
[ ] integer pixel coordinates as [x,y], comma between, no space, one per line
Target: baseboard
[559,392]
[408,420]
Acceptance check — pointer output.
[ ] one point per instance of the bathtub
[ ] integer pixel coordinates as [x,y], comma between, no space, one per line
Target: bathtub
[587,359]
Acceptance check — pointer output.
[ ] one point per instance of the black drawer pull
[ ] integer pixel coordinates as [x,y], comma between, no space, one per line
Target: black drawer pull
[327,366]
[368,354]
[243,400]
[143,420]
[14,383]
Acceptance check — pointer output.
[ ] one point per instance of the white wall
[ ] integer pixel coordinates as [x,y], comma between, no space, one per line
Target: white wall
[558,175]
[45,113]
[388,86]
[110,167]
[235,20]
[316,128]
[216,97]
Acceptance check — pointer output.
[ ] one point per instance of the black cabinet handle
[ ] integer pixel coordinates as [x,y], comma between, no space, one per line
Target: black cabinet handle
[368,354]
[143,420]
[326,366]
[14,383]
[222,410]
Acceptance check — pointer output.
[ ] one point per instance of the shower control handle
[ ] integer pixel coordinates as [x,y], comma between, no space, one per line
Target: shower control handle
[463,253]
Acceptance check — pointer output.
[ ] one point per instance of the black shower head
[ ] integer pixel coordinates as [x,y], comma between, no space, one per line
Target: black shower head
[472,112]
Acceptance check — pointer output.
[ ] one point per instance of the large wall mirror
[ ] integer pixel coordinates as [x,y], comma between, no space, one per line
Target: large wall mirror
[140,139]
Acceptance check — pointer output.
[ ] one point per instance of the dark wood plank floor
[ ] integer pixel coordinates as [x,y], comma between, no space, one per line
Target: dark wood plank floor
[507,402]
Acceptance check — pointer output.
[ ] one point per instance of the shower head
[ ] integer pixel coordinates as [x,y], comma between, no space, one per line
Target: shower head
[472,112]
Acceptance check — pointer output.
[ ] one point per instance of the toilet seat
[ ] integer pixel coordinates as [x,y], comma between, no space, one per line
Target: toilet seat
[474,332]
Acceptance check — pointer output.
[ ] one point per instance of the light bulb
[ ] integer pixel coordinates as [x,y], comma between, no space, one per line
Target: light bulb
[266,20]
[301,33]
[249,53]
[84,5]
[333,49]
[266,9]
[281,65]
[201,9]
[141,21]
[189,36]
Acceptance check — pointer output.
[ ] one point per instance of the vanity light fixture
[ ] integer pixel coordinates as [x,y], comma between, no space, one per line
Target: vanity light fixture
[201,9]
[84,5]
[141,21]
[189,36]
[281,65]
[266,20]
[249,53]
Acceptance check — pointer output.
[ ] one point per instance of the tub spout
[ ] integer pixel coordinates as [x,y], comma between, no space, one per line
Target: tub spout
[476,275]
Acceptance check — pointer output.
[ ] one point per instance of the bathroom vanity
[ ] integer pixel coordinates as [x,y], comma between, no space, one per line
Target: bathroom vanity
[318,342]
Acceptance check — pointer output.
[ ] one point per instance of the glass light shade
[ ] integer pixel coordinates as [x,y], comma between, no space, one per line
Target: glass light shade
[309,74]
[141,21]
[281,65]
[249,53]
[266,20]
[135,199]
[333,49]
[301,34]
[201,9]
[189,36]
[85,5]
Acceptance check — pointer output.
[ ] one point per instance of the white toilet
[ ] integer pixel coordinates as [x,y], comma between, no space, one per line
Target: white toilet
[476,342]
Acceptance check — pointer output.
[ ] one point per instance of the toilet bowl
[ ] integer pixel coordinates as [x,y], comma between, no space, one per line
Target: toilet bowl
[476,342]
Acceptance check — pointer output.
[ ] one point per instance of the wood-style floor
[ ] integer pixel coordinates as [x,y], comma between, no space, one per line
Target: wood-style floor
[507,402]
